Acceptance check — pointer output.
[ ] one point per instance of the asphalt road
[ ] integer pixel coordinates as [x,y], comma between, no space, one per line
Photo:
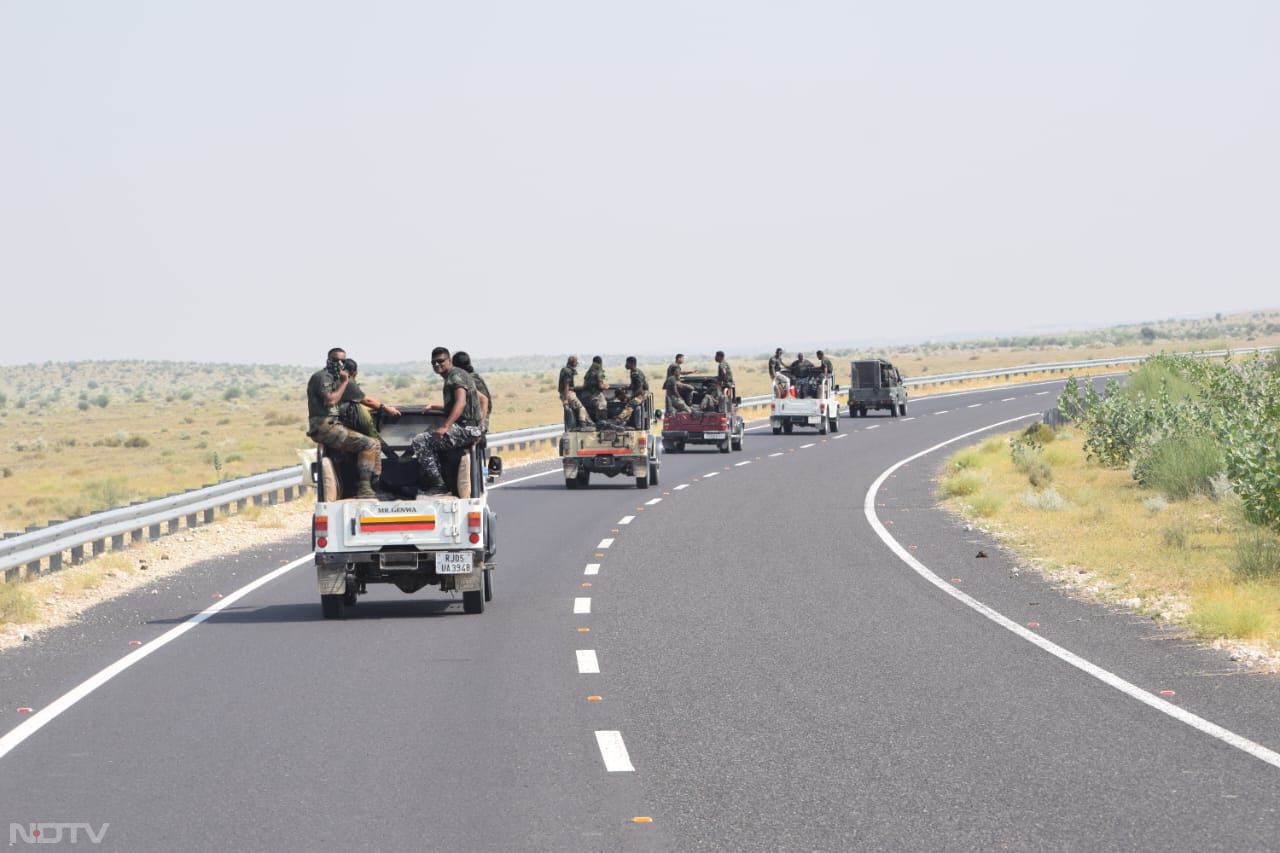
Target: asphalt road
[787,648]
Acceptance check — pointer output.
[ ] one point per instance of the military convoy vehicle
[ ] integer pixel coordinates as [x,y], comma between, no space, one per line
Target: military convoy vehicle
[811,403]
[876,385]
[613,448]
[403,537]
[721,426]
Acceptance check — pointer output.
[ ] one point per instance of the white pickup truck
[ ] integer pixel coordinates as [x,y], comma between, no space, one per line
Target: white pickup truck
[811,402]
[403,537]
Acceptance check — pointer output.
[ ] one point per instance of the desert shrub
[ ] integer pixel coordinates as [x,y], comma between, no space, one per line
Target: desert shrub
[1156,504]
[1179,466]
[137,441]
[1257,556]
[985,505]
[17,603]
[108,492]
[961,484]
[101,401]
[1048,499]
[1028,460]
[1175,537]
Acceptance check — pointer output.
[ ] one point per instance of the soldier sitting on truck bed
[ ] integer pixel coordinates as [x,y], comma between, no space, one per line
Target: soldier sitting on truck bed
[677,392]
[593,385]
[636,392]
[712,399]
[801,374]
[463,416]
[325,391]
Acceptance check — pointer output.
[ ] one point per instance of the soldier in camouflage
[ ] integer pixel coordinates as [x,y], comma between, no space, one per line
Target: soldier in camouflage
[356,408]
[568,398]
[325,392]
[636,392]
[825,364]
[462,422]
[724,373]
[677,391]
[593,385]
[463,360]
[775,363]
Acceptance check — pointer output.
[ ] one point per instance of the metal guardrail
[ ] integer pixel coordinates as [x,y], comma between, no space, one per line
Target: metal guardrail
[46,546]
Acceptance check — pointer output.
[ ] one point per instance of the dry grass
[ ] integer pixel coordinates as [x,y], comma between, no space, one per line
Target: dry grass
[1109,541]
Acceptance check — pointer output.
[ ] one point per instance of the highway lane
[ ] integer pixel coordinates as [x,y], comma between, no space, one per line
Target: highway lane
[777,677]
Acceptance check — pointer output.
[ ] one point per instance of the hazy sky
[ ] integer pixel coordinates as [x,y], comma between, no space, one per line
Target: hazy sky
[259,180]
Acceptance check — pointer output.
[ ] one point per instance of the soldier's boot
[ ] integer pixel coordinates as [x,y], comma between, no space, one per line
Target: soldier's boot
[431,481]
[366,468]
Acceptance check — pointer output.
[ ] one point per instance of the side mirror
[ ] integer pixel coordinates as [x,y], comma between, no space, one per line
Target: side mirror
[495,466]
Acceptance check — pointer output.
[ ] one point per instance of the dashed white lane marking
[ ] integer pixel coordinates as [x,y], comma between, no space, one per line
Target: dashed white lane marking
[1008,399]
[711,474]
[1105,676]
[605,543]
[626,519]
[942,412]
[974,406]
[582,605]
[680,487]
[592,569]
[587,663]
[743,462]
[874,426]
[840,436]
[912,418]
[810,444]
[779,453]
[653,501]
[614,752]
[1041,393]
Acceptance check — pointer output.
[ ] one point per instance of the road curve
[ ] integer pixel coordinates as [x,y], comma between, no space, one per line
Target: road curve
[750,656]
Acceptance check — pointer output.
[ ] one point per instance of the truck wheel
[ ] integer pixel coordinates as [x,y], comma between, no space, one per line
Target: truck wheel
[349,597]
[862,411]
[668,446]
[584,477]
[570,483]
[902,409]
[822,427]
[653,474]
[331,606]
[737,441]
[724,445]
[642,482]
[786,427]
[473,601]
[488,585]
[835,423]
[893,410]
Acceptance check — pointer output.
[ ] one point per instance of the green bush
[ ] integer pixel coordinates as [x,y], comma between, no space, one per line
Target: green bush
[1179,466]
[1257,556]
[961,484]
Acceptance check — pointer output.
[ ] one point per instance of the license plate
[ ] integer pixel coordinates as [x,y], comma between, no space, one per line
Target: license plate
[815,420]
[714,435]
[453,563]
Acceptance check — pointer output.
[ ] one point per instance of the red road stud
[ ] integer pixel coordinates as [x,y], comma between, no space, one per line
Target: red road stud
[1167,693]
[217,595]
[1033,624]
[135,642]
[955,580]
[24,710]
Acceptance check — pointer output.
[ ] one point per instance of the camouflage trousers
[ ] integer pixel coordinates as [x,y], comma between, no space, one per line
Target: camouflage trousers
[676,401]
[573,408]
[429,446]
[368,451]
[596,405]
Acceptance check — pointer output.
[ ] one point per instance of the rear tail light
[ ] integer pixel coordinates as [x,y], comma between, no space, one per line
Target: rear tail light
[320,530]
[473,523]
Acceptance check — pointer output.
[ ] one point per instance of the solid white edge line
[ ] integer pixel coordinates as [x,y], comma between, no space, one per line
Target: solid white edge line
[588,663]
[1106,677]
[52,711]
[614,752]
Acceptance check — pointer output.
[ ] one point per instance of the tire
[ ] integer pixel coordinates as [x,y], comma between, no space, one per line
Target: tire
[862,411]
[680,447]
[332,606]
[893,410]
[349,597]
[724,445]
[668,446]
[835,423]
[570,483]
[488,585]
[902,409]
[642,482]
[822,427]
[653,474]
[786,427]
[473,601]
[736,442]
[584,478]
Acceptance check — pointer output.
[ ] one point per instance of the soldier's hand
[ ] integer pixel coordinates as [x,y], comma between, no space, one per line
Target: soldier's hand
[392,410]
